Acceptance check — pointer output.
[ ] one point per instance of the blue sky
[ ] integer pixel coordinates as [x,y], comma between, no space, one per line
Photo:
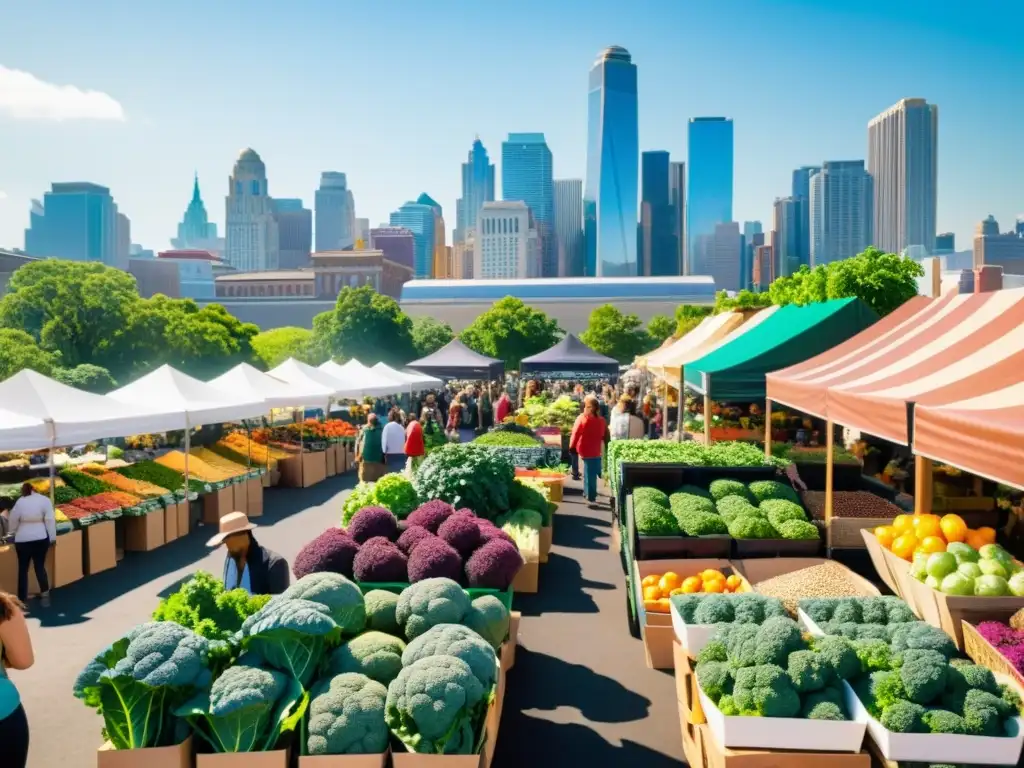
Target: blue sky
[393,91]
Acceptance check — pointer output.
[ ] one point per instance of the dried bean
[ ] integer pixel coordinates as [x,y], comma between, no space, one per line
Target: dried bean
[829,579]
[849,504]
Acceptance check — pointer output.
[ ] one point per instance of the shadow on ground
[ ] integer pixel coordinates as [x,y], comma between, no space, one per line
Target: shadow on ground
[580,532]
[569,595]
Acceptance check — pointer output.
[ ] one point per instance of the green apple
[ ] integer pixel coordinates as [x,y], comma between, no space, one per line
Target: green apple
[991,585]
[957,584]
[970,570]
[963,553]
[932,582]
[1016,584]
[993,568]
[941,564]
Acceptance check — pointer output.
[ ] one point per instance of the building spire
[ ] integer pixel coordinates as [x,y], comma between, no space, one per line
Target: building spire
[195,189]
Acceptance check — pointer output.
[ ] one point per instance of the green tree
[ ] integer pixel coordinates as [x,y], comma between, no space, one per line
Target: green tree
[689,317]
[275,346]
[743,300]
[614,334]
[805,286]
[883,281]
[511,330]
[88,377]
[18,350]
[660,327]
[366,326]
[429,335]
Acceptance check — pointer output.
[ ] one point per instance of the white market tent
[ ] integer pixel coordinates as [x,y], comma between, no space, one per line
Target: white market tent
[71,416]
[246,382]
[22,433]
[362,381]
[309,379]
[417,380]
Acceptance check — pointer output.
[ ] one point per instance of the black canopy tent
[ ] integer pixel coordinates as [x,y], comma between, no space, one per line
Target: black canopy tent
[570,359]
[457,361]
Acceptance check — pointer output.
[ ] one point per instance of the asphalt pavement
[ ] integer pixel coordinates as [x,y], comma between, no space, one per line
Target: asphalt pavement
[579,690]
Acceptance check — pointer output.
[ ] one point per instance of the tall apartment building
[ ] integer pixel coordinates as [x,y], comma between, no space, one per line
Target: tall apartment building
[841,206]
[78,221]
[396,243]
[477,188]
[998,250]
[463,255]
[763,267]
[677,199]
[945,243]
[569,227]
[656,246]
[527,174]
[335,213]
[788,214]
[251,237]
[418,219]
[439,255]
[295,233]
[903,160]
[362,233]
[507,242]
[709,184]
[721,253]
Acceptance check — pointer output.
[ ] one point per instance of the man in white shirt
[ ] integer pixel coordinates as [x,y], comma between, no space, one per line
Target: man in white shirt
[393,441]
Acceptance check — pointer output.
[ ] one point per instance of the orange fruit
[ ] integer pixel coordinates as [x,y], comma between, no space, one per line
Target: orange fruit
[988,534]
[676,591]
[927,525]
[734,582]
[664,605]
[975,539]
[953,528]
[711,573]
[714,585]
[650,581]
[692,584]
[885,535]
[902,523]
[669,581]
[651,606]
[931,544]
[651,593]
[904,546]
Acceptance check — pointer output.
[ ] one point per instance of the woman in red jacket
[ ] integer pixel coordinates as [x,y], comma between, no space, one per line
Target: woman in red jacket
[587,440]
[414,444]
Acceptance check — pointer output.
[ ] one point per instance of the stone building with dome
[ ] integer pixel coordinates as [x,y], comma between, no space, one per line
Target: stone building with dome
[251,236]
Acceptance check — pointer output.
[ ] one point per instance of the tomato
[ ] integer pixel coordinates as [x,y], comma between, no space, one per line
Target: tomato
[904,546]
[885,534]
[953,528]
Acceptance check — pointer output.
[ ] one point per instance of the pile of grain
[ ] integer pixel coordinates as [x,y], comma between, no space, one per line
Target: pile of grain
[829,579]
[849,504]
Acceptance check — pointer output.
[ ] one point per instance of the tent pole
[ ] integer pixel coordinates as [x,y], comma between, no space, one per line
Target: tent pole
[664,414]
[53,470]
[767,428]
[923,469]
[188,448]
[680,406]
[829,451]
[707,416]
[302,448]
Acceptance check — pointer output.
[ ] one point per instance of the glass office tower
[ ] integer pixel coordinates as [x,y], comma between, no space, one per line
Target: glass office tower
[709,192]
[613,155]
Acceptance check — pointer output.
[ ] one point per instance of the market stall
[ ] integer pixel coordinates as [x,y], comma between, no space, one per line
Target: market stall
[416,381]
[457,361]
[570,358]
[360,381]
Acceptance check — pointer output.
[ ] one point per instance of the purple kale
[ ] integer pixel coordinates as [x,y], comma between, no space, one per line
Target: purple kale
[430,515]
[412,536]
[465,511]
[433,558]
[489,531]
[332,551]
[379,560]
[494,565]
[461,531]
[373,521]
[1015,655]
[999,634]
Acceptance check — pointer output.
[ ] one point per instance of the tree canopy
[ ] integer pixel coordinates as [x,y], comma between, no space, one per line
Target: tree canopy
[689,317]
[660,327]
[19,350]
[511,330]
[366,326]
[275,346]
[90,378]
[429,335]
[615,334]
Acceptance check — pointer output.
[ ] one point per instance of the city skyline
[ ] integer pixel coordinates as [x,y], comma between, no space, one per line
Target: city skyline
[153,132]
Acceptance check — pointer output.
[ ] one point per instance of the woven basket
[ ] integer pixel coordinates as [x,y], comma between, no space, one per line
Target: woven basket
[982,652]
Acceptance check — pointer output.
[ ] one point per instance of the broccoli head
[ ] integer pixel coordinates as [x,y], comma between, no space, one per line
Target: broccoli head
[435,705]
[702,524]
[765,690]
[715,678]
[1009,694]
[868,687]
[380,611]
[796,530]
[714,650]
[944,721]
[874,654]
[839,653]
[898,612]
[763,490]
[723,487]
[431,557]
[779,511]
[693,490]
[428,603]
[889,690]
[654,520]
[489,618]
[686,604]
[346,716]
[727,706]
[979,677]
[713,609]
[459,641]
[819,609]
[741,643]
[826,704]
[847,609]
[732,507]
[984,713]
[336,593]
[374,654]
[752,527]
[918,634]
[776,638]
[379,560]
[904,717]
[752,608]
[652,495]
[808,671]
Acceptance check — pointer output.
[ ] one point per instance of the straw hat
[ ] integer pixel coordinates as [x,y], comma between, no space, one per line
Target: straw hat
[231,523]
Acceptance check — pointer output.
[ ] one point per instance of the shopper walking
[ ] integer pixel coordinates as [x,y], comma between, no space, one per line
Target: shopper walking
[414,444]
[33,524]
[574,458]
[588,440]
[15,653]
[502,408]
[370,451]
[393,442]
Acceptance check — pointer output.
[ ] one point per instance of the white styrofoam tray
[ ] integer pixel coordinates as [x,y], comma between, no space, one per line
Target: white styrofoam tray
[791,733]
[941,747]
[692,637]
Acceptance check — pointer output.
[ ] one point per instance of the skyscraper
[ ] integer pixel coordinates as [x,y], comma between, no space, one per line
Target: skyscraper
[251,242]
[527,174]
[396,243]
[658,257]
[751,228]
[569,226]
[802,180]
[439,255]
[418,219]
[709,184]
[903,160]
[945,243]
[677,198]
[477,189]
[507,242]
[840,203]
[787,216]
[195,229]
[77,221]
[295,233]
[613,154]
[722,257]
[335,213]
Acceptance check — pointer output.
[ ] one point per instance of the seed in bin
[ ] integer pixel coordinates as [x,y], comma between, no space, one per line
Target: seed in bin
[658,589]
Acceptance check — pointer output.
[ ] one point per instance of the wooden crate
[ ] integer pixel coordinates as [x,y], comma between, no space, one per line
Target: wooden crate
[846,531]
[981,652]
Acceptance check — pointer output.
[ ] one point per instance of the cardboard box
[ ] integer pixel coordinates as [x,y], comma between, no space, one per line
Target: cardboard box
[508,648]
[527,580]
[180,510]
[216,504]
[332,460]
[343,463]
[240,496]
[290,470]
[144,533]
[179,756]
[255,498]
[314,467]
[8,569]
[761,569]
[66,556]
[546,537]
[170,526]
[344,761]
[276,759]
[99,549]
[846,531]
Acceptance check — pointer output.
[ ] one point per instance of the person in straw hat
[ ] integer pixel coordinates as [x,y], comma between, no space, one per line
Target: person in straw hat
[248,565]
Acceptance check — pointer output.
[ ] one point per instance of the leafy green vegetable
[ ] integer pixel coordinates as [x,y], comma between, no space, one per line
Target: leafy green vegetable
[204,606]
[361,496]
[396,492]
[508,440]
[291,636]
[467,475]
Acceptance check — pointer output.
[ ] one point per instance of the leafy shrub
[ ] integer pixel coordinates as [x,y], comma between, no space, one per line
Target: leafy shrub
[396,492]
[467,476]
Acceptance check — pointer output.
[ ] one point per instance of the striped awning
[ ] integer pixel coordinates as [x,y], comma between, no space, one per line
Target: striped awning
[983,435]
[929,352]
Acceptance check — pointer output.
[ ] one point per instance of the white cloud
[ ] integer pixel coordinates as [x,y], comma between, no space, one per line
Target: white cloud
[23,96]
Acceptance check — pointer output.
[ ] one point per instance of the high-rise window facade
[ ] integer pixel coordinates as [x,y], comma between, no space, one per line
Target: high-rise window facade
[841,206]
[76,221]
[418,219]
[709,185]
[295,233]
[507,243]
[569,226]
[677,198]
[613,155]
[251,235]
[527,174]
[658,256]
[477,189]
[335,213]
[903,160]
